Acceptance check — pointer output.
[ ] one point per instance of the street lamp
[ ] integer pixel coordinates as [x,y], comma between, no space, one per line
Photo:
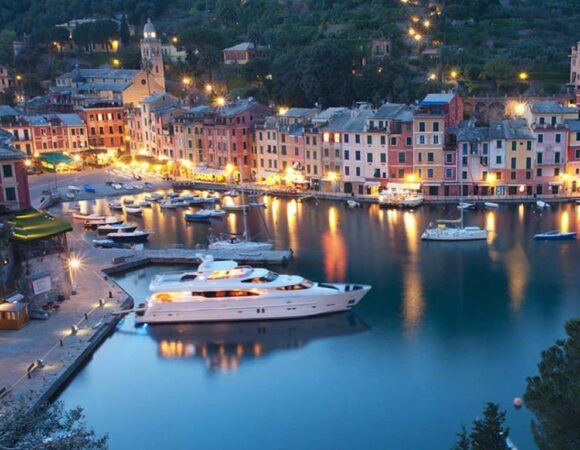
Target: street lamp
[282,110]
[220,101]
[186,81]
[74,263]
[208,88]
[523,76]
[116,62]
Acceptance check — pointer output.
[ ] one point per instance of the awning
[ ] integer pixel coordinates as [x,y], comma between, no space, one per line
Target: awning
[264,173]
[56,158]
[555,183]
[372,183]
[405,186]
[300,181]
[203,170]
[31,225]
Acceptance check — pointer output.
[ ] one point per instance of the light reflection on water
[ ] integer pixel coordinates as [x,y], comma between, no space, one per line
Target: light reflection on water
[427,357]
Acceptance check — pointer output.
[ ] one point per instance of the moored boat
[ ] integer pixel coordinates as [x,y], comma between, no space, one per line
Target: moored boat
[112,228]
[134,210]
[491,205]
[542,205]
[555,235]
[133,236]
[115,206]
[84,216]
[453,230]
[465,205]
[109,220]
[167,204]
[224,291]
[199,216]
[352,204]
[235,208]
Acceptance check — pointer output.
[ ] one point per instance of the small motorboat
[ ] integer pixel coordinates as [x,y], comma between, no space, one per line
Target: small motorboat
[128,201]
[542,205]
[134,210]
[74,207]
[148,185]
[257,204]
[117,186]
[210,200]
[156,196]
[555,236]
[145,204]
[172,195]
[195,201]
[491,205]
[137,186]
[128,186]
[235,208]
[199,216]
[110,220]
[352,204]
[73,188]
[233,193]
[113,228]
[133,236]
[167,204]
[115,206]
[70,196]
[82,216]
[411,201]
[217,213]
[89,188]
[464,205]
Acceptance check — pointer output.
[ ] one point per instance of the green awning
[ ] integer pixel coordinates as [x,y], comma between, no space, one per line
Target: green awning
[31,225]
[56,158]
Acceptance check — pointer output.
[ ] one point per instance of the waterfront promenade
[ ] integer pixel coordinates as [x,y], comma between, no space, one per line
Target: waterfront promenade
[53,340]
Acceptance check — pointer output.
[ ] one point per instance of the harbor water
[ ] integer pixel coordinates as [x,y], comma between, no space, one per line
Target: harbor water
[446,328]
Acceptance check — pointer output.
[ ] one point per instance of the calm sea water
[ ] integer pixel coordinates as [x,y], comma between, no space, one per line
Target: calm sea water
[446,328]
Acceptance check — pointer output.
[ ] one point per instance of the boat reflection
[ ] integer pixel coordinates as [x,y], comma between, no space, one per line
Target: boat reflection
[224,345]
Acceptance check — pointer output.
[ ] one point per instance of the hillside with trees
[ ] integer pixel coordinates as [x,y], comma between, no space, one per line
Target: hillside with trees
[319,50]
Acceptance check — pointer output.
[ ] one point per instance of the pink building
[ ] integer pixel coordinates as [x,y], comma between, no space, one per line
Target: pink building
[548,121]
[573,157]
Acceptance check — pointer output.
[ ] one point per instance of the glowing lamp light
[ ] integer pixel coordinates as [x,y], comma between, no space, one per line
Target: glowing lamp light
[418,37]
[432,76]
[412,31]
[520,108]
[186,81]
[522,188]
[229,168]
[490,177]
[332,176]
[74,263]
[175,39]
[411,177]
[523,76]
[282,110]
[426,23]
[208,88]
[116,62]
[220,101]
[27,163]
[454,74]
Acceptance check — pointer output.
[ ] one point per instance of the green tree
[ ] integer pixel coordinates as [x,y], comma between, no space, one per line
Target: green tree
[124,33]
[82,35]
[501,72]
[554,395]
[488,433]
[326,73]
[47,427]
[462,440]
[6,38]
[103,31]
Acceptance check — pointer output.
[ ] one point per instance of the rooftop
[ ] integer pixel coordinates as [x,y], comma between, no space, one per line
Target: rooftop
[437,99]
[350,120]
[71,120]
[32,225]
[573,125]
[511,129]
[471,134]
[243,47]
[394,111]
[550,107]
[101,73]
[6,110]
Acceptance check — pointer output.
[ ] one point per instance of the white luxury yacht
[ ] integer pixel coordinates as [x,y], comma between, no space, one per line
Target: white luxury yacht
[225,291]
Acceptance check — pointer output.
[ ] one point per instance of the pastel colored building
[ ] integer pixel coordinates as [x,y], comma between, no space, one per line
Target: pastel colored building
[435,162]
[548,122]
[105,123]
[14,192]
[573,156]
[243,53]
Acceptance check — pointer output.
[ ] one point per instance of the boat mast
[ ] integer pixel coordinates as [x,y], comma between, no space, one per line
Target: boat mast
[244,213]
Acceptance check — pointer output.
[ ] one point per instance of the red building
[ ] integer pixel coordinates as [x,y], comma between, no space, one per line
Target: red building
[105,122]
[14,192]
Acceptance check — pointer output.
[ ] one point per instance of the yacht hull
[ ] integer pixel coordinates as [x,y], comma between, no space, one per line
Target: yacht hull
[266,308]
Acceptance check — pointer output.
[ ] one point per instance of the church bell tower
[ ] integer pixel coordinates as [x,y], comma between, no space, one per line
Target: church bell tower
[151,56]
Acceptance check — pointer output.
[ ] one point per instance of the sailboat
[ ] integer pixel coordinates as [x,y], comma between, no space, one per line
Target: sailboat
[237,242]
[453,230]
